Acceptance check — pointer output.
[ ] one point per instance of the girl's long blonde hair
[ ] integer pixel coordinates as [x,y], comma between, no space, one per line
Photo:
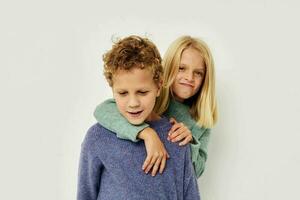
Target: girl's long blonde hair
[203,107]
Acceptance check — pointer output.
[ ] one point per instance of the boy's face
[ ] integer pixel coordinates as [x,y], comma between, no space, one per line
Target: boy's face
[135,93]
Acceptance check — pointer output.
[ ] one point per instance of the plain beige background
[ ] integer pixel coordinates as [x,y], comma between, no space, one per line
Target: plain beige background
[51,80]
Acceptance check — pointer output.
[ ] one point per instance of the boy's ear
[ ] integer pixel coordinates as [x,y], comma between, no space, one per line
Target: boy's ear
[160,83]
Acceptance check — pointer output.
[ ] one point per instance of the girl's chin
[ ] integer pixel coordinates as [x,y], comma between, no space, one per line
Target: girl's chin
[182,97]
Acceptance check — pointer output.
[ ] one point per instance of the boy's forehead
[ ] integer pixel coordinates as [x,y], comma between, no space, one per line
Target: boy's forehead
[133,74]
[132,69]
[134,78]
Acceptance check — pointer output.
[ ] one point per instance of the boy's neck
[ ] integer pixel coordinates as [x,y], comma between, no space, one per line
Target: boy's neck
[153,117]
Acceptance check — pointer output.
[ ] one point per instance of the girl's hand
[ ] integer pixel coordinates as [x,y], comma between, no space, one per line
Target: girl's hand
[156,152]
[179,132]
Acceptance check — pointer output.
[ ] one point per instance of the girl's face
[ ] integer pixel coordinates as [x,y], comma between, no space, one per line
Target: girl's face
[190,74]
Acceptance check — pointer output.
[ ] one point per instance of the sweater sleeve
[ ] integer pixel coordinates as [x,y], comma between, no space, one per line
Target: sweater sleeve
[199,148]
[89,173]
[190,187]
[108,115]
[200,135]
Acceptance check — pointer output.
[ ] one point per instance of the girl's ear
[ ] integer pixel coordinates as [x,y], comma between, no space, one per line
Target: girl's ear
[160,83]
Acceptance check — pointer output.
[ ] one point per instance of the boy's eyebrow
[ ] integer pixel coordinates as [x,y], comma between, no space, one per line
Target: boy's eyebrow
[124,89]
[119,89]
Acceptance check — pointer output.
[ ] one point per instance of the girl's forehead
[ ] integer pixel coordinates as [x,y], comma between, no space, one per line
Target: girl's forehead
[198,65]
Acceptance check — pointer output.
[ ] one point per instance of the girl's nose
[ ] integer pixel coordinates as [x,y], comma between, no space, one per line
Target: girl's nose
[188,76]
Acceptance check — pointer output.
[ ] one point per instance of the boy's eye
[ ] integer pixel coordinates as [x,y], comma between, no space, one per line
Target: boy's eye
[122,93]
[143,92]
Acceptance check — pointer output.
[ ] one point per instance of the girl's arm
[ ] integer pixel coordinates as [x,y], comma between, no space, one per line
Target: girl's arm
[199,148]
[108,115]
[200,140]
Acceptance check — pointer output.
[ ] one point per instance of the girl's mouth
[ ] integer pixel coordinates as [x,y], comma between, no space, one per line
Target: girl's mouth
[187,85]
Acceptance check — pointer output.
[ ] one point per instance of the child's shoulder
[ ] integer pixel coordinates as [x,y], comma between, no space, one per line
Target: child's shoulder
[94,133]
[162,127]
[163,122]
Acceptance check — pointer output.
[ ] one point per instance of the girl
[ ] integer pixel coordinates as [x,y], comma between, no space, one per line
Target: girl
[188,96]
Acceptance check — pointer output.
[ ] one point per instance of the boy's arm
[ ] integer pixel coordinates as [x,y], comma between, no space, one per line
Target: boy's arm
[108,115]
[199,148]
[89,173]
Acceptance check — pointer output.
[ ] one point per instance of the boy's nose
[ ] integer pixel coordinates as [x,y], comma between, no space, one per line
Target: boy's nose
[133,102]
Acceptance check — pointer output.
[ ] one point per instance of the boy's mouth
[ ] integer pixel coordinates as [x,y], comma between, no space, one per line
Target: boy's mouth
[135,114]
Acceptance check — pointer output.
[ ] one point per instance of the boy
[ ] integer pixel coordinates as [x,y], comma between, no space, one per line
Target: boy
[109,167]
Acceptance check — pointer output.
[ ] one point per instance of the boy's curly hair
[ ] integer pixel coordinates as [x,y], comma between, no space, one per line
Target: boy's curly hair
[130,52]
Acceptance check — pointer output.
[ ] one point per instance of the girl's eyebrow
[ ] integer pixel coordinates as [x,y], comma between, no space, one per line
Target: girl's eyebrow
[200,69]
[196,69]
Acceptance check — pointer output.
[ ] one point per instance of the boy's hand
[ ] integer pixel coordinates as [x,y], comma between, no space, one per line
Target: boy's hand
[179,132]
[156,152]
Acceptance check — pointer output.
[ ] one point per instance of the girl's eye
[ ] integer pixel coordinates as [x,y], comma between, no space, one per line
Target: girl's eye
[199,73]
[181,69]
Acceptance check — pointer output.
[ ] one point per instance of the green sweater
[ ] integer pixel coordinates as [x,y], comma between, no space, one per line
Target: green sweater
[115,122]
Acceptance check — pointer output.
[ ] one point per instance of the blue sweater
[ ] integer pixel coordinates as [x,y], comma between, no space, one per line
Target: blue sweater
[111,168]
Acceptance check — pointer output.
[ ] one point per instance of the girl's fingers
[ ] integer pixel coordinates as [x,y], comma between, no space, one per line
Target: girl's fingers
[156,166]
[174,128]
[152,162]
[146,162]
[180,132]
[180,137]
[156,163]
[177,132]
[186,141]
[168,156]
[162,164]
[172,120]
